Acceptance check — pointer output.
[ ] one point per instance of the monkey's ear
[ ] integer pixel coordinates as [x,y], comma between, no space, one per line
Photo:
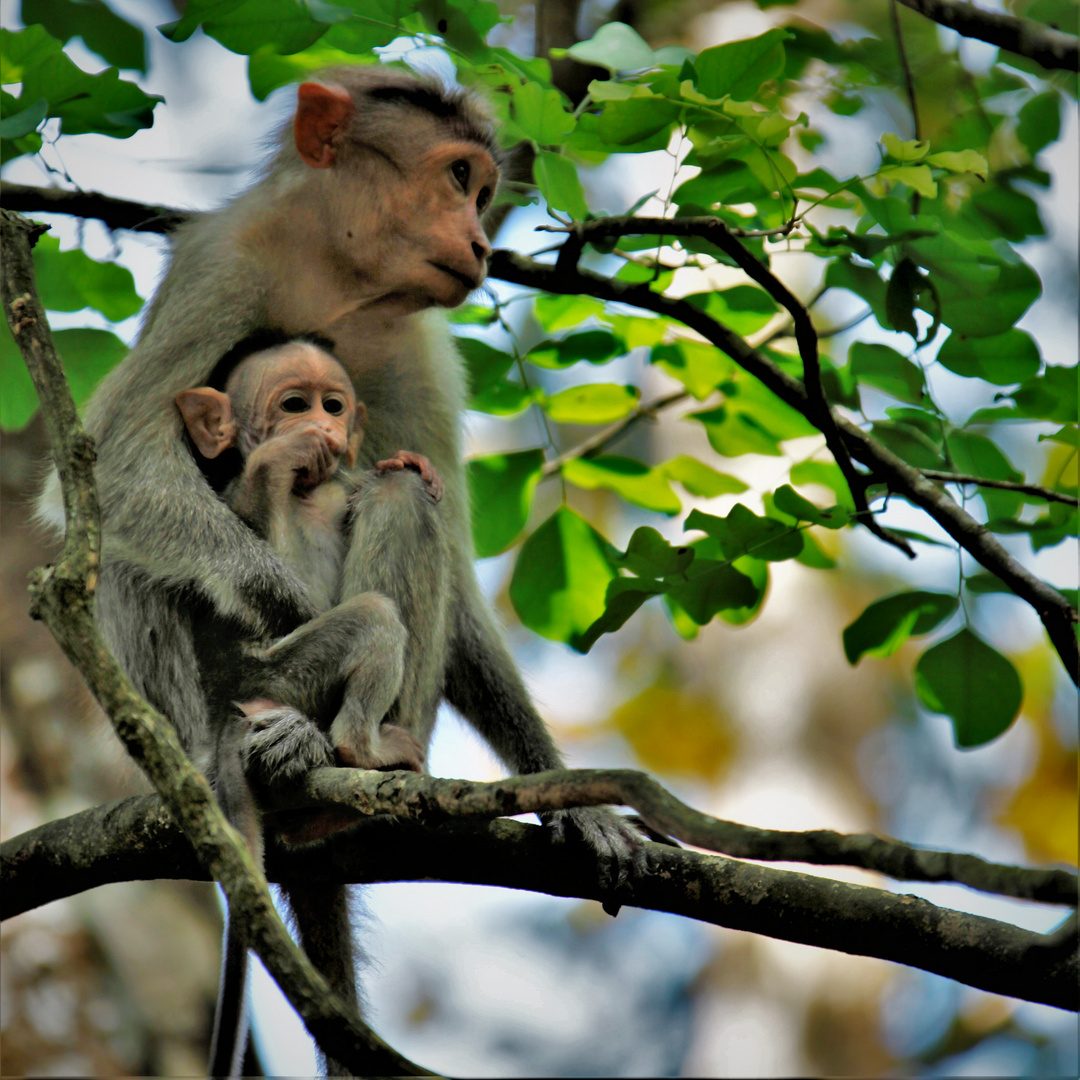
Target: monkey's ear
[356,439]
[320,111]
[208,416]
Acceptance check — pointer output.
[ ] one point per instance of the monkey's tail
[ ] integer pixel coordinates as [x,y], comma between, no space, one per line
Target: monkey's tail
[231,1017]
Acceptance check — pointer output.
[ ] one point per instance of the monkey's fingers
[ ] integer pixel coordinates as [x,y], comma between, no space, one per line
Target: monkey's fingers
[406,459]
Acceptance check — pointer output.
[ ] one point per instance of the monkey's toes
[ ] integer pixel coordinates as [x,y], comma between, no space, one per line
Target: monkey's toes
[282,744]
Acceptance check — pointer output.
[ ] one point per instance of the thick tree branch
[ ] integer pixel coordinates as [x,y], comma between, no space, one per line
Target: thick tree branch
[1037,41]
[1004,485]
[135,839]
[1053,609]
[61,596]
[116,213]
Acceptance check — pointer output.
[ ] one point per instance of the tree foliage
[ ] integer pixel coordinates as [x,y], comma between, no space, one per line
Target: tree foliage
[926,239]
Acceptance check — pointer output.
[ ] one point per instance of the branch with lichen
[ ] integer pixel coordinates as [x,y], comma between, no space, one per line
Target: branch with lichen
[62,597]
[134,838]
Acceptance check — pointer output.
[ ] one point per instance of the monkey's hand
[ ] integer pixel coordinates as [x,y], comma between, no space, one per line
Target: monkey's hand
[395,749]
[301,456]
[406,459]
[618,846]
[281,744]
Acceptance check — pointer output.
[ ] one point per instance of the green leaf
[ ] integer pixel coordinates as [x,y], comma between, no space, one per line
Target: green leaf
[649,555]
[635,482]
[902,295]
[485,366]
[789,501]
[71,281]
[828,475]
[595,346]
[700,368]
[541,113]
[734,592]
[593,403]
[559,184]
[908,443]
[563,312]
[114,39]
[614,46]
[887,623]
[25,121]
[976,455]
[864,282]
[88,355]
[245,27]
[884,368]
[1002,359]
[1039,121]
[1049,396]
[813,555]
[742,532]
[18,398]
[971,683]
[561,577]
[636,119]
[913,150]
[740,67]
[102,103]
[743,308]
[917,177]
[699,479]
[501,489]
[985,582]
[268,69]
[624,597]
[961,161]
[732,433]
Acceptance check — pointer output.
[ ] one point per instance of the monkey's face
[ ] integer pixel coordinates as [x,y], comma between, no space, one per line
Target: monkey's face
[412,231]
[299,387]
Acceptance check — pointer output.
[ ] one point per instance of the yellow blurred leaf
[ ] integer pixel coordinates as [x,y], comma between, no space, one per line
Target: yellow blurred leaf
[675,731]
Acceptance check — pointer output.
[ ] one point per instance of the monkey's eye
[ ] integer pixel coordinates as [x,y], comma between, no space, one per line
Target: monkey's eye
[483,198]
[460,172]
[294,403]
[334,406]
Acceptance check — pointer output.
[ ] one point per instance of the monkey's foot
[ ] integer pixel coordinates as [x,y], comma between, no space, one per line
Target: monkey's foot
[406,459]
[395,749]
[618,846]
[281,744]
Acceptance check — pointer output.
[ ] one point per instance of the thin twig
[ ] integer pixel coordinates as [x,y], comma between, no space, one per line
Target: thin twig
[1003,485]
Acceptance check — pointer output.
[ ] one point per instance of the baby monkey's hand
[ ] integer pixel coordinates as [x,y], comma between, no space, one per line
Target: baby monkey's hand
[406,459]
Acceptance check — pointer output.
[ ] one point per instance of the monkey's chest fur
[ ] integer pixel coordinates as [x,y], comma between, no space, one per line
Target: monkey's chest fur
[309,534]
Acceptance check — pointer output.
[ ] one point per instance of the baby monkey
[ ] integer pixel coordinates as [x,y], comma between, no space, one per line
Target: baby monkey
[320,695]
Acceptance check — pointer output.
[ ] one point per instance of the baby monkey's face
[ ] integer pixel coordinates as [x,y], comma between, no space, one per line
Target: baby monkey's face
[296,386]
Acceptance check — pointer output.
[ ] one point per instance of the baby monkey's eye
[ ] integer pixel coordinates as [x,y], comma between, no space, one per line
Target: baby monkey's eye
[294,403]
[334,406]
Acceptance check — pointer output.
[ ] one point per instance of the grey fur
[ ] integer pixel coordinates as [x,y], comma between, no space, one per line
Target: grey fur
[281,257]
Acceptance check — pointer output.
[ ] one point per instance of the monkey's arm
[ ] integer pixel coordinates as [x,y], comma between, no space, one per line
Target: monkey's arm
[483,684]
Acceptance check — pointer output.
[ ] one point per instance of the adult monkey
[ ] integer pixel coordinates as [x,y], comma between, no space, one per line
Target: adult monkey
[367,218]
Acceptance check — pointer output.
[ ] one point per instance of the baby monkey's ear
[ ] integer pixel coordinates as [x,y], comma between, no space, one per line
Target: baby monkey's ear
[208,417]
[356,438]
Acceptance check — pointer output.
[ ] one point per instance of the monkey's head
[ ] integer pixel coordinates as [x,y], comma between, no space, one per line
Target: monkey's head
[403,169]
[272,395]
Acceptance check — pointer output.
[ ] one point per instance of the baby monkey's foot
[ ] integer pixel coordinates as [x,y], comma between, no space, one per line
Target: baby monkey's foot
[406,459]
[281,744]
[395,749]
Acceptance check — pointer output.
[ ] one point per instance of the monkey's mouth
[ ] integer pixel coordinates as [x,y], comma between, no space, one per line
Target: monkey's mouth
[468,282]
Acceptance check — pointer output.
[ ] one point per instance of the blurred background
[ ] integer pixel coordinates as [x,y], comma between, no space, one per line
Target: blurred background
[764,723]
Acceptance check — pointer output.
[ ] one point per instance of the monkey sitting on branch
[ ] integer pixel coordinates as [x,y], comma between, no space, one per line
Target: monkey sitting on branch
[367,218]
[322,694]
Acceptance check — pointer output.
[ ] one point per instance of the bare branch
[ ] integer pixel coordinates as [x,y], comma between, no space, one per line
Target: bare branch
[1004,485]
[115,213]
[95,847]
[1037,41]
[62,597]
